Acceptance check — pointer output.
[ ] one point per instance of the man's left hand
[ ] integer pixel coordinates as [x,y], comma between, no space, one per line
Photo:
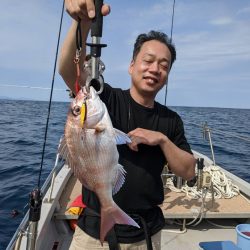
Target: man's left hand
[144,136]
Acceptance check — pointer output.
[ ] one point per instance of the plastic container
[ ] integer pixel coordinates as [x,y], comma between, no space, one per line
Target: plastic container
[218,245]
[243,236]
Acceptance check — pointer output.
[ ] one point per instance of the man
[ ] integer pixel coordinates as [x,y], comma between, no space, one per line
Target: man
[156,133]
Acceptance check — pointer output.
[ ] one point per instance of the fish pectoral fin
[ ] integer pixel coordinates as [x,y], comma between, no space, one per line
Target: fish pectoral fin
[121,137]
[100,127]
[120,179]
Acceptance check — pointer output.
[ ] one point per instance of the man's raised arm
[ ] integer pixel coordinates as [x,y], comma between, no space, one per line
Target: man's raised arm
[84,10]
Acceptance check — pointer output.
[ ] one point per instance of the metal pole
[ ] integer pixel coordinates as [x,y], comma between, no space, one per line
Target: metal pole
[211,145]
[31,235]
[34,217]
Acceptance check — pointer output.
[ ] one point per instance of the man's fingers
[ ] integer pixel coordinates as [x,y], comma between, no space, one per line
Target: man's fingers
[74,10]
[90,8]
[133,147]
[84,9]
[70,9]
[105,9]
[134,143]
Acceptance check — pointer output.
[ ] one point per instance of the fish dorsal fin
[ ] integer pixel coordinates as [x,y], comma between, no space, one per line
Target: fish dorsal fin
[120,179]
[121,137]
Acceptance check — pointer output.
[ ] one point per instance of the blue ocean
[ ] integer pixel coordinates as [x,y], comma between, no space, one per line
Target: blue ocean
[22,128]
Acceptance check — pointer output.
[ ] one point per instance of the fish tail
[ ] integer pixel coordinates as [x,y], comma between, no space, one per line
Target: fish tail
[112,216]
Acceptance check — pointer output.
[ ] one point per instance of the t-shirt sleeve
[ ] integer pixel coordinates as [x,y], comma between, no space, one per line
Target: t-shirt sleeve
[180,139]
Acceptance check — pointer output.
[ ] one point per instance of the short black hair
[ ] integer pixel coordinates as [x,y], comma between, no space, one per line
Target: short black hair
[154,35]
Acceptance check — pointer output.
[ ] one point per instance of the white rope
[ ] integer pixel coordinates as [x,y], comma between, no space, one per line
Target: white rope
[200,214]
[201,210]
[175,231]
[220,226]
[223,186]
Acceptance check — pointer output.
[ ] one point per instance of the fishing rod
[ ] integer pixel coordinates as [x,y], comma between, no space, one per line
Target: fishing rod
[94,67]
[171,37]
[35,201]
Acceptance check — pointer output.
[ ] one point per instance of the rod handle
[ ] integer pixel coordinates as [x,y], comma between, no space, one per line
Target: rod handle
[97,22]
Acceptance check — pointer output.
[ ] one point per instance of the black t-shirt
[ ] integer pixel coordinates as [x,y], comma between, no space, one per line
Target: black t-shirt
[143,190]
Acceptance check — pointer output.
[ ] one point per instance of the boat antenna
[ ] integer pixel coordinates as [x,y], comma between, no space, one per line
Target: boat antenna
[35,202]
[171,36]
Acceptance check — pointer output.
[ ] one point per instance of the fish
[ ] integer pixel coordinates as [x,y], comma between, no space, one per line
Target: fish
[89,148]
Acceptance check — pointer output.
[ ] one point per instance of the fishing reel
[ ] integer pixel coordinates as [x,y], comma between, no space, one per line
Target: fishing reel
[202,179]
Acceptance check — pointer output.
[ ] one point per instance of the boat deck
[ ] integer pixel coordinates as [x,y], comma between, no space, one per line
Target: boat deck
[178,205]
[171,238]
[175,205]
[203,232]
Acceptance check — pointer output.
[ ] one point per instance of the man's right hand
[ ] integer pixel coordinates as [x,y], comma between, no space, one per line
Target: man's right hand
[84,9]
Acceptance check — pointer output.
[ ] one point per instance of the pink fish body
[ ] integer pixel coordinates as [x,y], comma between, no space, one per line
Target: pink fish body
[89,147]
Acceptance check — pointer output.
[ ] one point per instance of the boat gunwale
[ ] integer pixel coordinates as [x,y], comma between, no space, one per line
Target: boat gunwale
[44,191]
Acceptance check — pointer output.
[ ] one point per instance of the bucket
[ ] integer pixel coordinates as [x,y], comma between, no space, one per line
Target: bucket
[243,236]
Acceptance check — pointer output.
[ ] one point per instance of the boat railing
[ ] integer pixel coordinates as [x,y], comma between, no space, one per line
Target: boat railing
[234,185]
[212,171]
[207,135]
[48,184]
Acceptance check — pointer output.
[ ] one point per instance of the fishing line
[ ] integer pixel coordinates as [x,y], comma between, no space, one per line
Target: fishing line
[50,99]
[171,36]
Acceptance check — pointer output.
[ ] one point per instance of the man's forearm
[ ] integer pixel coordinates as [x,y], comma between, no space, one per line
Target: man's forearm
[181,162]
[67,67]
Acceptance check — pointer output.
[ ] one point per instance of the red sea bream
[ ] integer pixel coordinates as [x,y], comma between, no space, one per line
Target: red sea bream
[89,147]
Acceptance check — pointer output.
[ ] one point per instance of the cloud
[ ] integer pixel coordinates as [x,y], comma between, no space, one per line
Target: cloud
[245,10]
[28,35]
[222,21]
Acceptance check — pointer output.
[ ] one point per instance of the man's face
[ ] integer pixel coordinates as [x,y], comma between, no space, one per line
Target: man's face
[149,70]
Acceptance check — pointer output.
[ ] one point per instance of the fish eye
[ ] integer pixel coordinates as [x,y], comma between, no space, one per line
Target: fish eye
[76,110]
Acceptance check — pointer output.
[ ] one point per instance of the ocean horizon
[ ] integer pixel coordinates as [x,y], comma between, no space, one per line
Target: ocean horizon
[68,101]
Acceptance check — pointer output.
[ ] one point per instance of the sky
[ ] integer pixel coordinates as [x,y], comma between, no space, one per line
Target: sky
[212,40]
